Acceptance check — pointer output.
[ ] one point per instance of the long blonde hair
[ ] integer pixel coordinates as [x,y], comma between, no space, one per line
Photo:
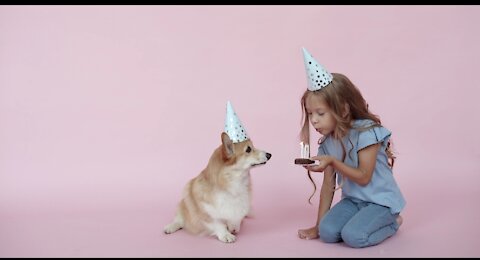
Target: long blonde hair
[343,98]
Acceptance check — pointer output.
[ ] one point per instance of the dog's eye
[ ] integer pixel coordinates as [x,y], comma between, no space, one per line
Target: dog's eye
[248,149]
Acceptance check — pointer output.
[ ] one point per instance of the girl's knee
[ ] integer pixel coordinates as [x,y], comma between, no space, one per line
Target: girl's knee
[354,238]
[328,233]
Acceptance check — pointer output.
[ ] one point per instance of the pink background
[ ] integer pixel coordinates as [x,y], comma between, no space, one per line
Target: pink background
[107,111]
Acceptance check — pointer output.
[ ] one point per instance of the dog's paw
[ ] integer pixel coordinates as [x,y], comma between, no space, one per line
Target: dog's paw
[171,228]
[227,238]
[233,228]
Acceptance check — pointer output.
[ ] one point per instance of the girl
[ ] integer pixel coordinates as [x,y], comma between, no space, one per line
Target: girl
[356,149]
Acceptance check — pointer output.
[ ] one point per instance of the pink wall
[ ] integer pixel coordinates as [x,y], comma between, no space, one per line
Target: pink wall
[117,107]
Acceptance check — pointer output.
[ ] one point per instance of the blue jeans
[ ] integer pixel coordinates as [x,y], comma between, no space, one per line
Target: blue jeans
[357,223]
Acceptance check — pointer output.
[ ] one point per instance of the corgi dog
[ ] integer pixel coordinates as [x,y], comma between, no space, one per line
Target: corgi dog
[216,201]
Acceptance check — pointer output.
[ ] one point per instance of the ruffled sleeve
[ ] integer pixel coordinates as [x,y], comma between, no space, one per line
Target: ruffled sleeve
[378,134]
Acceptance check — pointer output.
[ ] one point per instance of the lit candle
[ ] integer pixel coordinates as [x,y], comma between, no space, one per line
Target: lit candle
[304,150]
[301,150]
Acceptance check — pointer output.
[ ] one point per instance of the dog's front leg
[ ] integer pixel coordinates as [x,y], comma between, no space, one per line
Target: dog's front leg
[234,226]
[220,230]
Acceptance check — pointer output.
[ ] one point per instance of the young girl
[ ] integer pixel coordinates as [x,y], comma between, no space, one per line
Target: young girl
[356,149]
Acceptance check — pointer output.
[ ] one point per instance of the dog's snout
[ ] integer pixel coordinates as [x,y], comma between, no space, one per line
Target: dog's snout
[268,156]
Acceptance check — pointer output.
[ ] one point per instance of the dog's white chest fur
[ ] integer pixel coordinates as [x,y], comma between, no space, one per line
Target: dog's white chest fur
[232,203]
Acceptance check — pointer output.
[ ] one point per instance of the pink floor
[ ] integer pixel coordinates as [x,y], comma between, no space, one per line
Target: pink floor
[438,222]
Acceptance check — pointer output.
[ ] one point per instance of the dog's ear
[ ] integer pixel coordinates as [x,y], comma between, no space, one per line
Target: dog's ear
[227,150]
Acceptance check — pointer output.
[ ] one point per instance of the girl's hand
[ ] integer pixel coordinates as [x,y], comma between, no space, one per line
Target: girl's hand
[324,162]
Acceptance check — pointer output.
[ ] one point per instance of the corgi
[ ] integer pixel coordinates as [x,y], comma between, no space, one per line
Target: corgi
[216,201]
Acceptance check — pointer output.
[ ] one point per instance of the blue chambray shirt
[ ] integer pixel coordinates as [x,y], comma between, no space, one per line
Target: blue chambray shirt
[382,189]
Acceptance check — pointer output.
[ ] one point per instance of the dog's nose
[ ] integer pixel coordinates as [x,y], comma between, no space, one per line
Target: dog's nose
[268,156]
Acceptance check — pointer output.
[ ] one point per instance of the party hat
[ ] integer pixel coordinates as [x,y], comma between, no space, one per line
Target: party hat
[318,77]
[233,126]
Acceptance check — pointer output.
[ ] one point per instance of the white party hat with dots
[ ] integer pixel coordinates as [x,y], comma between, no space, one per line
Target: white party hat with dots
[317,76]
[233,126]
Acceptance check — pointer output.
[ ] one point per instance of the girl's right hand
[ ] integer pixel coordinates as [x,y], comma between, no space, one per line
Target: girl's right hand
[323,162]
[313,168]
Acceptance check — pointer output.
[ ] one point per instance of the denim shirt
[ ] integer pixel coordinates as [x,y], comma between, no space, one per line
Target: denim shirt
[382,188]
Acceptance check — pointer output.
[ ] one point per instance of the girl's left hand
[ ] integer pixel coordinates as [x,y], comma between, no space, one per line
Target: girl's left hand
[324,162]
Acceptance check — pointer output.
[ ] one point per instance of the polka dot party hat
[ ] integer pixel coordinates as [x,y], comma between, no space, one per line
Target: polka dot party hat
[317,76]
[233,126]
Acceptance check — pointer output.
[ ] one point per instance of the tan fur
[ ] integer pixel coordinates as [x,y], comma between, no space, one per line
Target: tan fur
[217,200]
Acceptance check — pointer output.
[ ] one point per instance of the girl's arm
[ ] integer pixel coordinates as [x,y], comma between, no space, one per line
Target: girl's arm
[362,175]
[326,198]
[326,193]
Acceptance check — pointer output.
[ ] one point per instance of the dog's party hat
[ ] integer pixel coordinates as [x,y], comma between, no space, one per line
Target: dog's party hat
[233,126]
[317,76]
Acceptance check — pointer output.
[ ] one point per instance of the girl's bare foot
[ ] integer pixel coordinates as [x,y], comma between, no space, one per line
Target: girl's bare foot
[399,220]
[309,233]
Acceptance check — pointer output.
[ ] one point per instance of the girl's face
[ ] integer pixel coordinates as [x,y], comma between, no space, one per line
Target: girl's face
[320,115]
